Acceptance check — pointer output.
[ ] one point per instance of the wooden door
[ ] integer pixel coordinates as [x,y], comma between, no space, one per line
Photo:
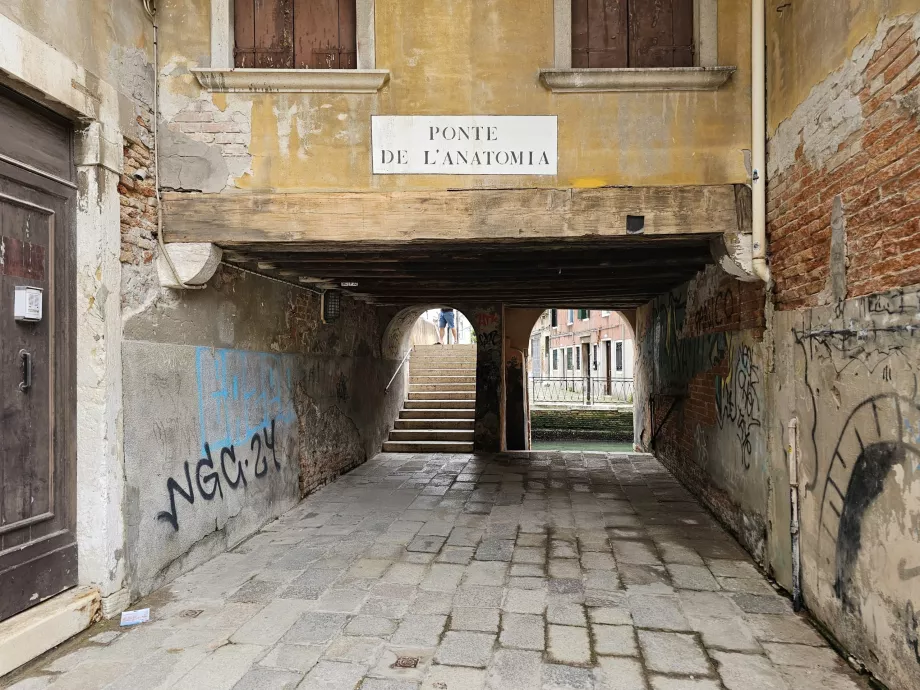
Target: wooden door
[38,551]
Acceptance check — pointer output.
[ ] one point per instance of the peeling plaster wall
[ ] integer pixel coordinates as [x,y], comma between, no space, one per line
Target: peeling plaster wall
[283,402]
[450,57]
[843,234]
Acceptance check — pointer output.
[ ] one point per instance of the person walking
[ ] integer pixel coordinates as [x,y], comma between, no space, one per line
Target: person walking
[446,320]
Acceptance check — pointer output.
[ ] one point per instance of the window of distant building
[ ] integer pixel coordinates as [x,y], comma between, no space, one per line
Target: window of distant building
[295,34]
[619,356]
[584,314]
[555,360]
[595,357]
[605,313]
[578,358]
[571,318]
[568,358]
[554,318]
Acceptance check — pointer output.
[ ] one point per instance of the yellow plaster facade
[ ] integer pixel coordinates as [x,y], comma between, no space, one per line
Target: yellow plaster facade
[809,39]
[462,57]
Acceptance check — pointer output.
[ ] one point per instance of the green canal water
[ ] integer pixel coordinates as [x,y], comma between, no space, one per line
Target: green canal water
[603,446]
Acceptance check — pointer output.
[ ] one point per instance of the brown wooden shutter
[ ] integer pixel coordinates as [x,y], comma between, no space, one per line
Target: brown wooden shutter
[263,33]
[660,33]
[244,33]
[325,33]
[599,33]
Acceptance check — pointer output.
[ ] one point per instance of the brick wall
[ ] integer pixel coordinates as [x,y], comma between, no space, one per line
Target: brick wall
[138,200]
[574,424]
[869,161]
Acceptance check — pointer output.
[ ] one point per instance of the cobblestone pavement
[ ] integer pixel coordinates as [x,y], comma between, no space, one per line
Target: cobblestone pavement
[457,572]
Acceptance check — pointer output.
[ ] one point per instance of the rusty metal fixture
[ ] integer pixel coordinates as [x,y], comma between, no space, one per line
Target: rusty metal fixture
[406,662]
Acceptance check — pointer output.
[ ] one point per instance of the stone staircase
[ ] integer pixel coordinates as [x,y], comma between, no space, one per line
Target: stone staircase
[439,415]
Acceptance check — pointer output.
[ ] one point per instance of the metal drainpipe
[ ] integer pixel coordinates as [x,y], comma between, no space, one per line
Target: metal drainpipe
[793,429]
[759,140]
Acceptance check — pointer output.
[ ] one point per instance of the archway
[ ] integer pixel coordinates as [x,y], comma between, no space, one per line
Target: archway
[486,321]
[578,373]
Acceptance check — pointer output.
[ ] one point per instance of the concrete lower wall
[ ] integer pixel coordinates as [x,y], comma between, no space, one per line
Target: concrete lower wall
[848,374]
[237,402]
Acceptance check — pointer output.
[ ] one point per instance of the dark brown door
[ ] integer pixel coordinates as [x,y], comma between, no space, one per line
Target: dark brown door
[38,551]
[608,365]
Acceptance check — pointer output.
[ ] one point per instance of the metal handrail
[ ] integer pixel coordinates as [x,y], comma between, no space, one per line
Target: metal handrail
[405,359]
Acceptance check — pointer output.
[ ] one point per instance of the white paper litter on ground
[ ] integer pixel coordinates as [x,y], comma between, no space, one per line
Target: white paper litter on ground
[135,617]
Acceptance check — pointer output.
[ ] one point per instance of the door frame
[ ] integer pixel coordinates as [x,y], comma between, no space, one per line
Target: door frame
[93,106]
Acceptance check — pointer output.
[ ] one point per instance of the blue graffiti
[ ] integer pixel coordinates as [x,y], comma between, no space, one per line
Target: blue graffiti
[241,393]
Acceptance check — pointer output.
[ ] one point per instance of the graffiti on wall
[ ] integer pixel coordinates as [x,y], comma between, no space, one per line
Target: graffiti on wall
[738,399]
[229,466]
[240,392]
[867,344]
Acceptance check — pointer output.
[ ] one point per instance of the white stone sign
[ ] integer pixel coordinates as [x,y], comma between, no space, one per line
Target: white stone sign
[464,144]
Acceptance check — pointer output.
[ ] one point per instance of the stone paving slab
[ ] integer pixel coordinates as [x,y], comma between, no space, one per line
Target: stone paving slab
[541,570]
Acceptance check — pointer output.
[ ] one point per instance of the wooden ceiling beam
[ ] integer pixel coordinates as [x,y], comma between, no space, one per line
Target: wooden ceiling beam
[450,215]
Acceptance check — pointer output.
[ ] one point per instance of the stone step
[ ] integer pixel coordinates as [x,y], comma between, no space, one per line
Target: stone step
[445,423]
[431,435]
[421,387]
[442,365]
[443,378]
[441,404]
[446,348]
[427,447]
[448,413]
[442,395]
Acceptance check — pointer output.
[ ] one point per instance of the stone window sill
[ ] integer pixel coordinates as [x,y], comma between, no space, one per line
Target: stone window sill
[635,79]
[292,80]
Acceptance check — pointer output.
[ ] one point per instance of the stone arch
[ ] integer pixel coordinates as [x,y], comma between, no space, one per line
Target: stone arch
[396,336]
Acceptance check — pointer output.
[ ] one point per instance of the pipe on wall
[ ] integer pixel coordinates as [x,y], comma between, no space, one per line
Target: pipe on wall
[793,448]
[759,139]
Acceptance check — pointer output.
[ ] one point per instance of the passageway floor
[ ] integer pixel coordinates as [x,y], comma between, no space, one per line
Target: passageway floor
[456,572]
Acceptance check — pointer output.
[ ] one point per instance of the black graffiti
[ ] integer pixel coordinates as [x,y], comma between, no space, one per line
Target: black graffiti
[880,449]
[231,470]
[738,400]
[718,312]
[906,573]
[492,339]
[912,625]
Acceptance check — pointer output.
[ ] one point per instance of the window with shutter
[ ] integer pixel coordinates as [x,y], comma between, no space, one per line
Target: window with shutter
[295,34]
[554,318]
[632,33]
[619,356]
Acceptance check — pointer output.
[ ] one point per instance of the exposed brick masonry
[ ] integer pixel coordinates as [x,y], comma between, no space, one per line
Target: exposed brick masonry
[138,202]
[876,171]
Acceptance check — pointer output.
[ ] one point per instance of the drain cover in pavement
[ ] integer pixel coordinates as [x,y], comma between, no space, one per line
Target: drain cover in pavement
[406,662]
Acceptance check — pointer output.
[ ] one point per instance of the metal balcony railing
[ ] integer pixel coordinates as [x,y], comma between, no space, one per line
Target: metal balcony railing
[583,391]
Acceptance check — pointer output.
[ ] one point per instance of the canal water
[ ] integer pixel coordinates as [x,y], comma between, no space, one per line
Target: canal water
[602,446]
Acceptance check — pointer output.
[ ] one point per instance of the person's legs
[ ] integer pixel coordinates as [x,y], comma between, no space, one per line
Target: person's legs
[442,327]
[447,319]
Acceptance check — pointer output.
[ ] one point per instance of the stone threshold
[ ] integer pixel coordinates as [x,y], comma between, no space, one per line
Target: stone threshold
[33,632]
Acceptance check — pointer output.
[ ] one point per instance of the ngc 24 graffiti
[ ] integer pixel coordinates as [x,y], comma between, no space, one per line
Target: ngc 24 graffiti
[226,466]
